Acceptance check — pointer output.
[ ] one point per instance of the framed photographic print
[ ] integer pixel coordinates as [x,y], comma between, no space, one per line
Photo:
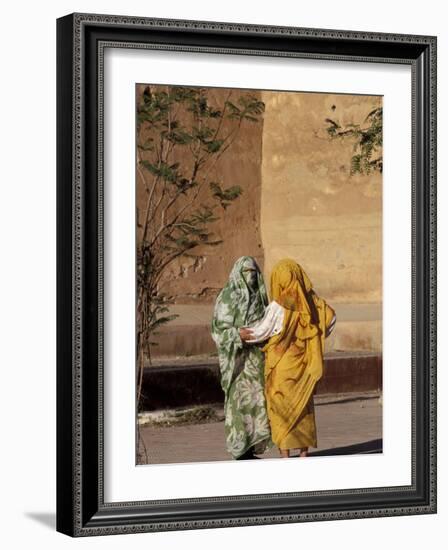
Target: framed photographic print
[246,274]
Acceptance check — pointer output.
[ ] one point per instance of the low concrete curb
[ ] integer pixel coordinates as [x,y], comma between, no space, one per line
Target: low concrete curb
[186,384]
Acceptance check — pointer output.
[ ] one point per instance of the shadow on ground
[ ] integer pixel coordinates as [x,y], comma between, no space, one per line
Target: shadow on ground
[48,519]
[368,447]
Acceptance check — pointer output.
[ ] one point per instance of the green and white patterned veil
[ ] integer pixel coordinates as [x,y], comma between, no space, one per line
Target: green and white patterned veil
[240,303]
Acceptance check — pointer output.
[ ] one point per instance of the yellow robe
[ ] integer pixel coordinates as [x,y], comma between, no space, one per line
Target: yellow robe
[294,357]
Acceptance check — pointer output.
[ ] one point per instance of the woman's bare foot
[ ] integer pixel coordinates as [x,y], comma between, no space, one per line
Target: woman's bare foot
[303,452]
[284,453]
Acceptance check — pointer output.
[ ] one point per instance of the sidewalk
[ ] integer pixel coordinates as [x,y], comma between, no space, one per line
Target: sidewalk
[358,328]
[201,314]
[345,425]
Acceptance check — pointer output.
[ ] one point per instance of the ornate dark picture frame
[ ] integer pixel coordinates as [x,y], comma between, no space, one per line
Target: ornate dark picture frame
[81,509]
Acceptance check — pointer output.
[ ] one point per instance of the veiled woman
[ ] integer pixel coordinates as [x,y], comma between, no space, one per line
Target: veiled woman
[297,323]
[241,302]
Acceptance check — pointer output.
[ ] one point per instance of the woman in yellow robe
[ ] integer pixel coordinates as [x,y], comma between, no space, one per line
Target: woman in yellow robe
[294,358]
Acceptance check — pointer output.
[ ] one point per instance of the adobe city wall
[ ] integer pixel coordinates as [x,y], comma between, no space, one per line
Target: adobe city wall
[312,209]
[299,200]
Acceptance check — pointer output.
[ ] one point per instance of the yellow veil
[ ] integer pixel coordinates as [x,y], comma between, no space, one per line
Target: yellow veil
[298,348]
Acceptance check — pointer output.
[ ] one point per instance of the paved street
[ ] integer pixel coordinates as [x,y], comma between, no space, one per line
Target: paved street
[346,424]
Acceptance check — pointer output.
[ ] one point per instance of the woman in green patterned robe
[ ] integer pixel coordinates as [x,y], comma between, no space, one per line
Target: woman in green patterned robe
[240,303]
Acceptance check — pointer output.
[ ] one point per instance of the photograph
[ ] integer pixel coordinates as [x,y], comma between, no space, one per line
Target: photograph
[259,262]
[246,261]
[223,236]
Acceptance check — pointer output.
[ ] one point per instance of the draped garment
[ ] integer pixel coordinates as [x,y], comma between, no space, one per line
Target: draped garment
[294,357]
[241,302]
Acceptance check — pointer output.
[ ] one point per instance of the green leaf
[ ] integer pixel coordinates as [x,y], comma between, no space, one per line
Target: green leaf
[225,196]
[213,146]
[179,137]
[147,145]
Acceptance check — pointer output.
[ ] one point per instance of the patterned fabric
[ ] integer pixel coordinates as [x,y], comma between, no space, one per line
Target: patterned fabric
[240,303]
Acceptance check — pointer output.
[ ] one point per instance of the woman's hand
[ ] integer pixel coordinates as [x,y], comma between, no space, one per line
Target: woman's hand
[245,334]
